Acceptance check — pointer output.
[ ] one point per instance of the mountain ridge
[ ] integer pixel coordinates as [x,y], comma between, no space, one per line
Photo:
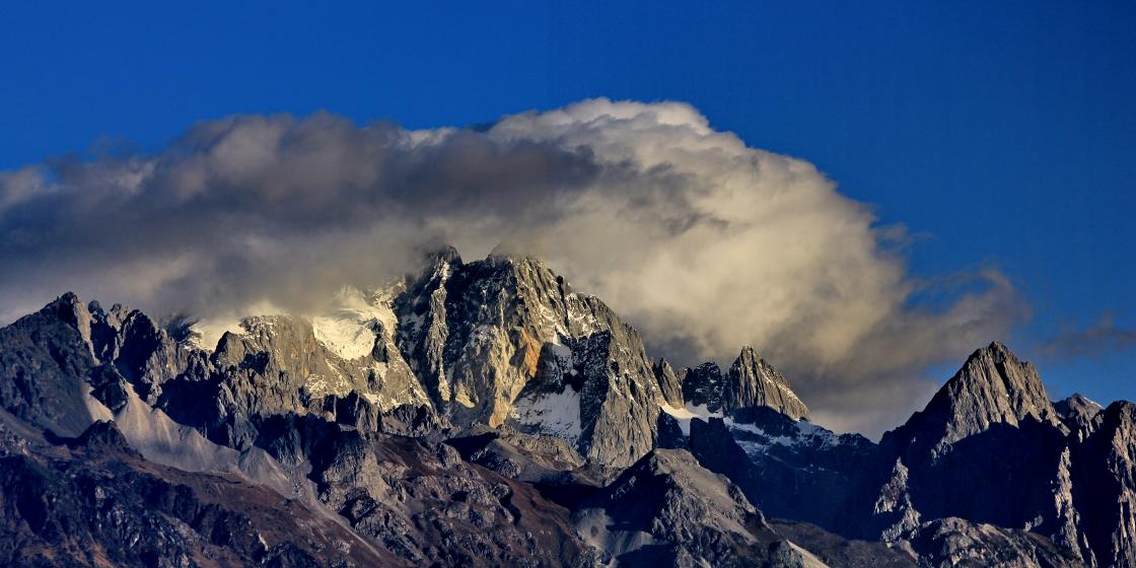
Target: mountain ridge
[483,413]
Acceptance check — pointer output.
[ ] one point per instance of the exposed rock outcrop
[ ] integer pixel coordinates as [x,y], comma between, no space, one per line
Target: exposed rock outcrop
[1081,415]
[957,542]
[1104,485]
[753,382]
[666,509]
[507,340]
[702,386]
[750,382]
[670,387]
[992,388]
[484,413]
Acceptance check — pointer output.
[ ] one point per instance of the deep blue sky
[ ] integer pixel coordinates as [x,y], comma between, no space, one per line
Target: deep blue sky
[1003,133]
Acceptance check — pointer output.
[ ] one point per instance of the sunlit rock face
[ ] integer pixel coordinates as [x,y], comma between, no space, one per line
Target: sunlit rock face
[752,382]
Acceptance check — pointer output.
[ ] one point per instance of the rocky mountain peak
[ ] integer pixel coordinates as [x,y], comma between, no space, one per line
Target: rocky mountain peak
[577,433]
[478,334]
[71,310]
[753,382]
[702,386]
[1081,414]
[692,512]
[993,387]
[669,385]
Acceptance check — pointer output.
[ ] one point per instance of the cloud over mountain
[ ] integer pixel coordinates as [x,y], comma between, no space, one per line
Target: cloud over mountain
[703,242]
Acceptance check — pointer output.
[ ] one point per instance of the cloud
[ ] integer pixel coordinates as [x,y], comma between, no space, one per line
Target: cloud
[704,243]
[1098,339]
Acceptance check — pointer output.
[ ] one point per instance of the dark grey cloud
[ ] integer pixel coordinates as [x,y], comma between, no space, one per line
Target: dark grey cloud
[1098,339]
[704,243]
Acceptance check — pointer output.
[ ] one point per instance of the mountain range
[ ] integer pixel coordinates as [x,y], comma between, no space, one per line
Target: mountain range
[485,414]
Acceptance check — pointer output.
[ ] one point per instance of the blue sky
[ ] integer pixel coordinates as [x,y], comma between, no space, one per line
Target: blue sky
[1000,134]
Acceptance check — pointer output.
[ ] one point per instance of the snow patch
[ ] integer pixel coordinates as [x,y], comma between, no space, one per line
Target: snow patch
[348,329]
[344,336]
[206,333]
[806,435]
[685,414]
[554,414]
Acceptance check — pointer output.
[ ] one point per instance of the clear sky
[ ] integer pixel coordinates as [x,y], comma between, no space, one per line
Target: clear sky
[999,133]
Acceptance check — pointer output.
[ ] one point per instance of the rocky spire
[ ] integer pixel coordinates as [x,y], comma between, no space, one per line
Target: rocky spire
[669,386]
[754,382]
[992,387]
[702,386]
[1107,488]
[1080,414]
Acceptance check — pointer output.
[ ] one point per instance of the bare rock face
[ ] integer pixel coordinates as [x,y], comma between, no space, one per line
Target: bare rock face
[670,387]
[989,448]
[422,502]
[592,394]
[702,386]
[92,501]
[1081,415]
[505,340]
[667,509]
[958,542]
[792,469]
[1104,484]
[45,360]
[992,388]
[753,382]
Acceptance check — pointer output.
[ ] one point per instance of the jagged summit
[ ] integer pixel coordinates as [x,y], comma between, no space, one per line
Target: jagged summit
[992,387]
[751,382]
[670,387]
[360,413]
[1080,413]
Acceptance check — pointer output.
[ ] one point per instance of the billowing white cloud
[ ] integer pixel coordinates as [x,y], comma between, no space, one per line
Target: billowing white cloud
[706,244]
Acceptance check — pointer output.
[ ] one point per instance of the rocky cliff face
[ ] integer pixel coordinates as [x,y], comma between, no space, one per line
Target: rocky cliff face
[792,469]
[993,388]
[1081,416]
[702,387]
[668,510]
[753,382]
[483,413]
[670,387]
[507,340]
[93,501]
[990,448]
[1104,486]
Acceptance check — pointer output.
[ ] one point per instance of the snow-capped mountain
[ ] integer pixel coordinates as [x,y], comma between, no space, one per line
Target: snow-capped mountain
[484,413]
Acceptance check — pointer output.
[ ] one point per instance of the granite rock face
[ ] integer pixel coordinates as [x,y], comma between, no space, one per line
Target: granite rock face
[753,382]
[1081,416]
[792,470]
[45,361]
[989,448]
[750,382]
[667,510]
[1104,486]
[93,501]
[702,386]
[958,542]
[507,340]
[670,387]
[993,388]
